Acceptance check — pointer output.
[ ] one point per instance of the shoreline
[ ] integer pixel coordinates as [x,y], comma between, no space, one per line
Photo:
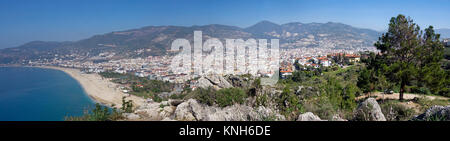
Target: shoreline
[98,89]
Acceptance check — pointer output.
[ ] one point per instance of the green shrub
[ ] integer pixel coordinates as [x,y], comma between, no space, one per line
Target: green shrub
[289,103]
[320,106]
[349,92]
[157,98]
[111,74]
[230,96]
[155,86]
[99,113]
[426,103]
[335,97]
[394,111]
[177,96]
[205,96]
[127,106]
[223,97]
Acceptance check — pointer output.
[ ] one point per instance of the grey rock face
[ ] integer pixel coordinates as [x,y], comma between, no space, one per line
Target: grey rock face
[369,110]
[214,81]
[218,80]
[308,116]
[204,83]
[167,111]
[231,113]
[191,110]
[131,116]
[237,81]
[184,112]
[435,113]
[150,111]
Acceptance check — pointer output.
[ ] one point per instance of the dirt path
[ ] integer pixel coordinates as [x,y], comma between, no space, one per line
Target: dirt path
[395,96]
[406,96]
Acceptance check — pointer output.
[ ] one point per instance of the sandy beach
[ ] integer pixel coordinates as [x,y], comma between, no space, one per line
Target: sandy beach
[100,90]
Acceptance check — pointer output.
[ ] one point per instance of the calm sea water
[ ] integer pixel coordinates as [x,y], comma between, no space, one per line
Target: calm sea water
[36,94]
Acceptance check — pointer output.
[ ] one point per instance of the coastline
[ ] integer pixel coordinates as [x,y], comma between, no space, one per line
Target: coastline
[98,89]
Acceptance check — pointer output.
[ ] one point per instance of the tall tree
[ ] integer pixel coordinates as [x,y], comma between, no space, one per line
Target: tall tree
[406,52]
[432,75]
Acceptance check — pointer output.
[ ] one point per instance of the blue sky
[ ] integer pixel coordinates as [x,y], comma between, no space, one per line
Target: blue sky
[22,21]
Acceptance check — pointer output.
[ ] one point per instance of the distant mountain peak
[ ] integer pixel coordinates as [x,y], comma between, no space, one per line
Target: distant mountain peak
[266,22]
[263,26]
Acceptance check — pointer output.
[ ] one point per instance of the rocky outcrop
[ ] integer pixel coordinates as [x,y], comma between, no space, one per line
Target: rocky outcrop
[435,113]
[308,116]
[219,81]
[369,110]
[231,113]
[131,116]
[238,81]
[214,81]
[149,111]
[167,111]
[184,111]
[202,82]
[191,110]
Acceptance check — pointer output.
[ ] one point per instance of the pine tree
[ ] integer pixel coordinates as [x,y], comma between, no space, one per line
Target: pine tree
[409,55]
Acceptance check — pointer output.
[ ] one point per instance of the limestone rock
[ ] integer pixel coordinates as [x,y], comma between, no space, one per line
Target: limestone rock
[308,116]
[219,81]
[167,111]
[204,83]
[150,111]
[131,116]
[192,110]
[214,81]
[369,110]
[435,113]
[237,81]
[184,112]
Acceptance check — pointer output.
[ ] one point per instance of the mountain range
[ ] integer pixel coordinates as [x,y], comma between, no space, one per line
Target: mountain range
[156,40]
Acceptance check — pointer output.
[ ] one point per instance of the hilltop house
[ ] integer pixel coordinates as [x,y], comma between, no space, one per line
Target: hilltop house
[352,58]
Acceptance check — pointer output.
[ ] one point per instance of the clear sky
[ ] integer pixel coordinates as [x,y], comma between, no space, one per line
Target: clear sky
[22,21]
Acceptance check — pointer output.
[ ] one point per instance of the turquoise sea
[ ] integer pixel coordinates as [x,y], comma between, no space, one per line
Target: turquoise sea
[37,94]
